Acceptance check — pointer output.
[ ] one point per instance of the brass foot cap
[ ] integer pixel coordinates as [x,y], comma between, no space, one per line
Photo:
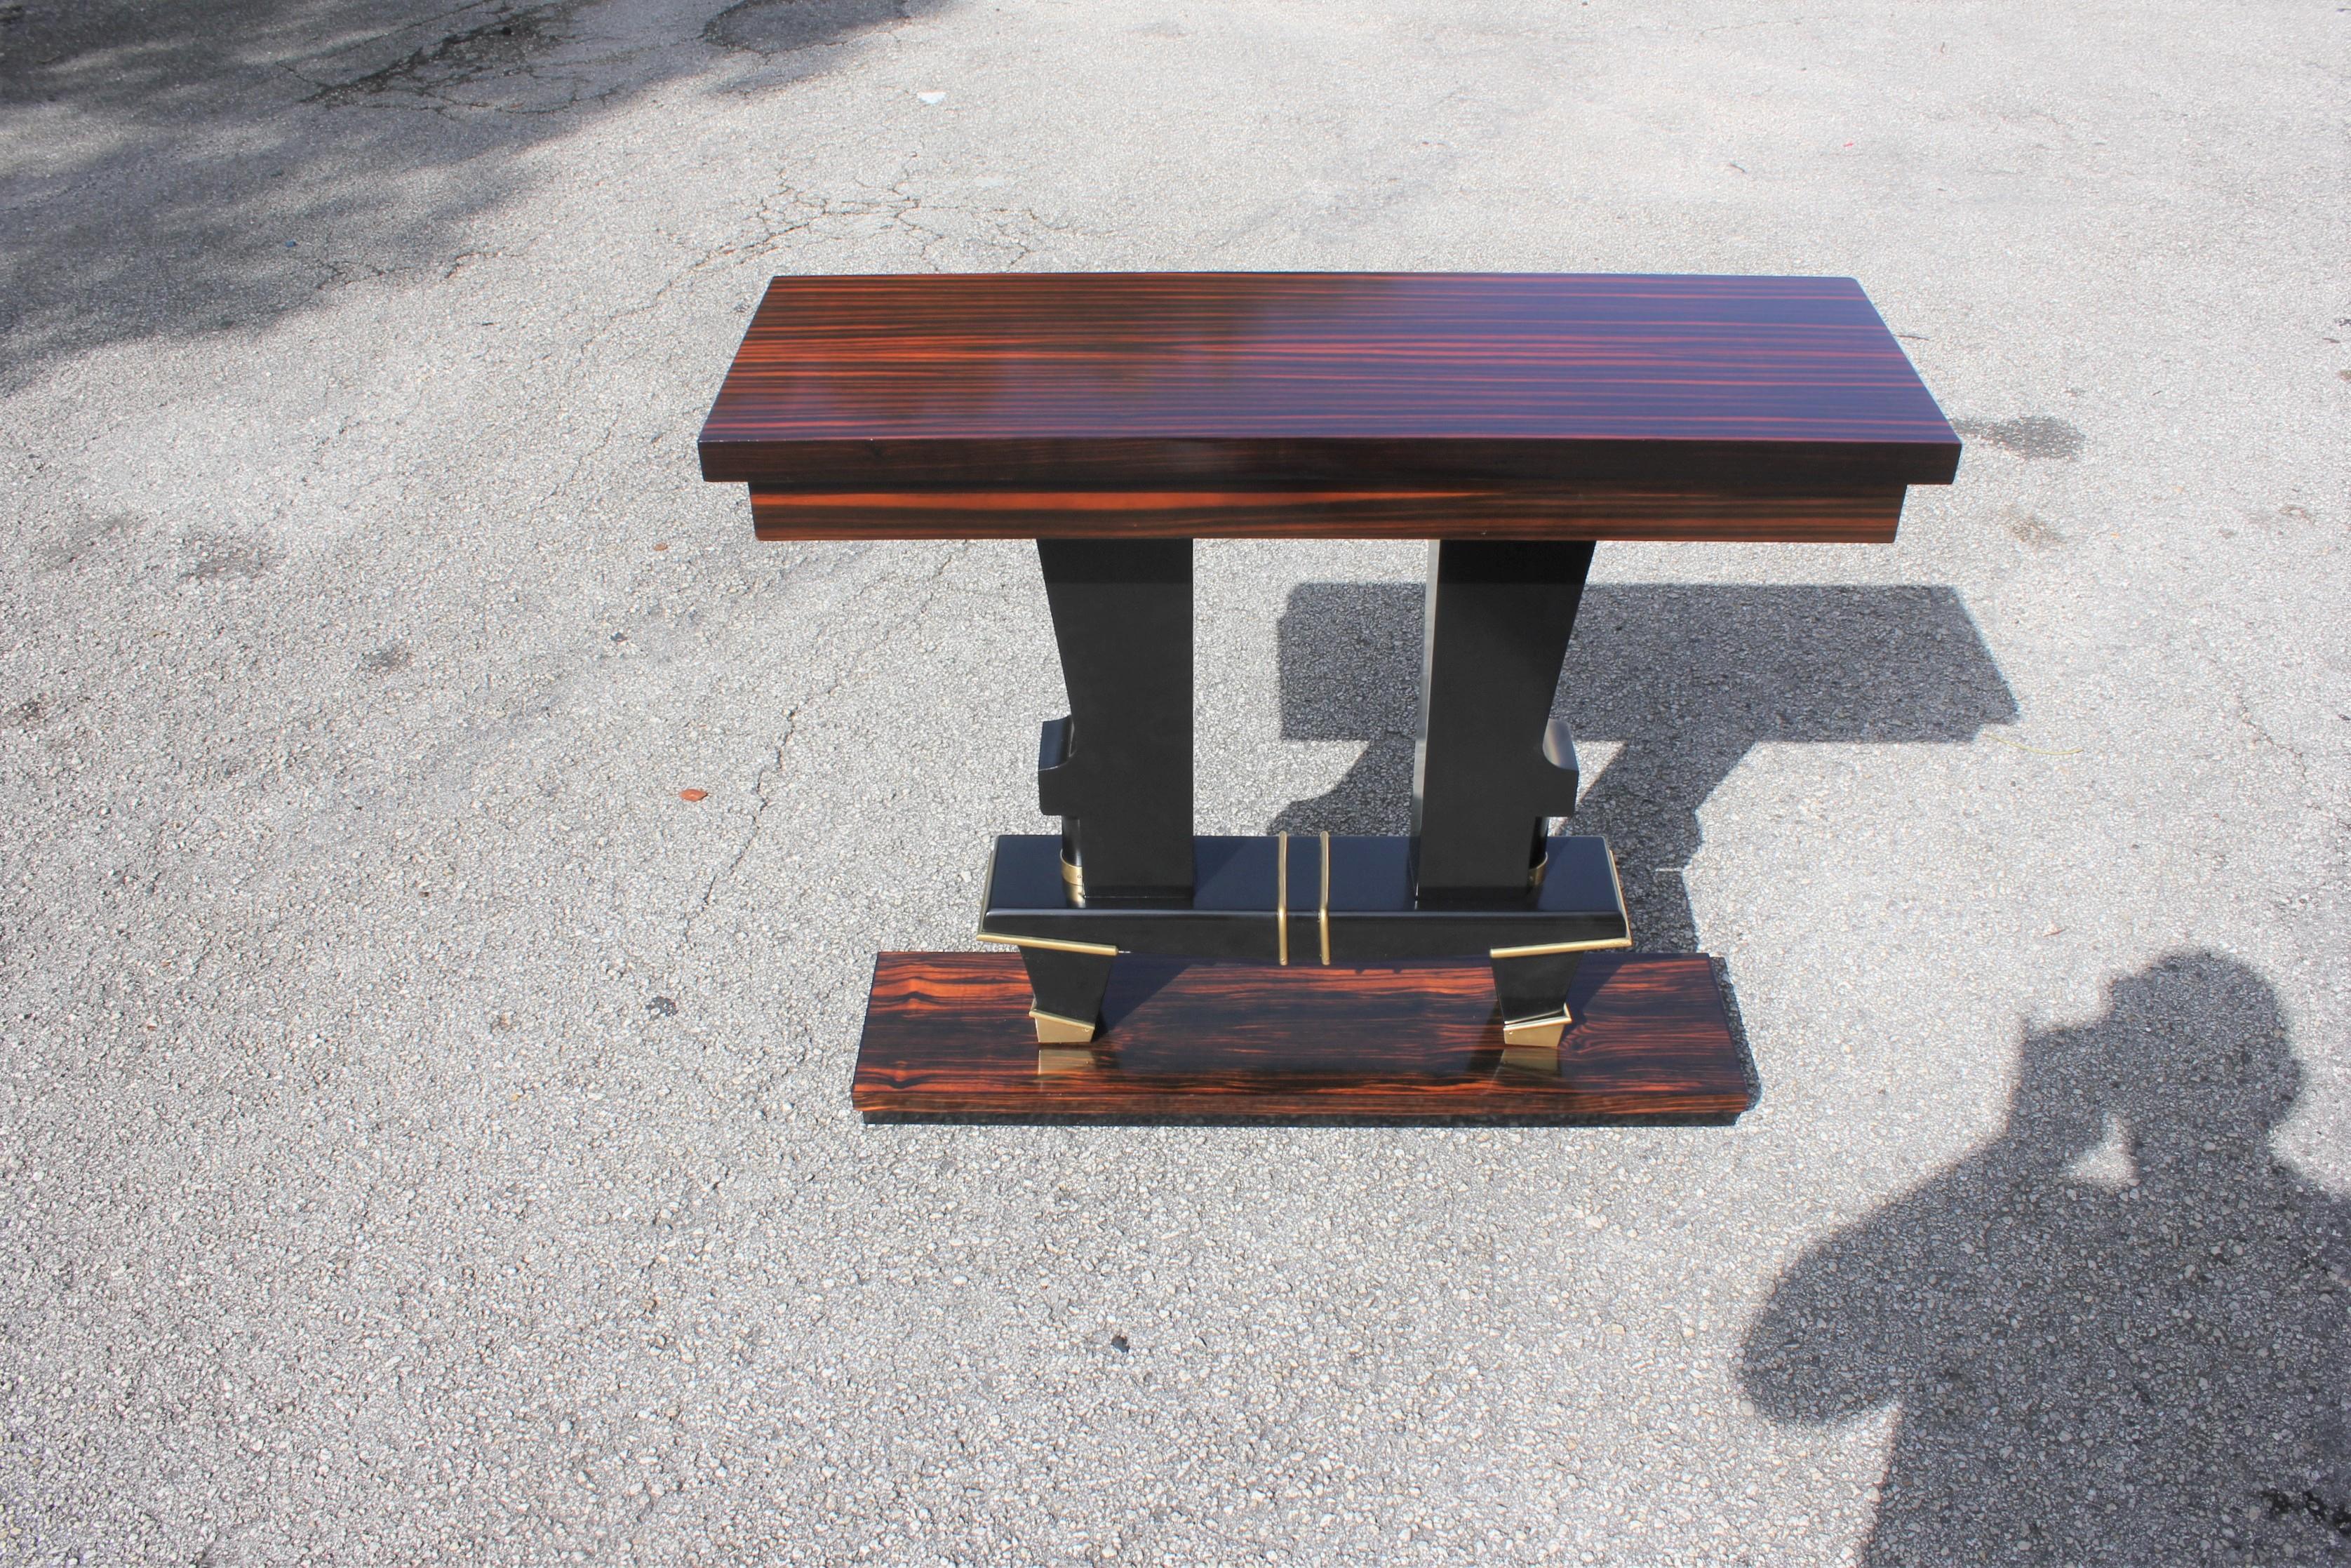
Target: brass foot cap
[1052,1029]
[1538,1033]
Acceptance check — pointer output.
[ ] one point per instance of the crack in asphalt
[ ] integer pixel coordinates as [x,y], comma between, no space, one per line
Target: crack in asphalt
[792,212]
[930,589]
[502,46]
[507,36]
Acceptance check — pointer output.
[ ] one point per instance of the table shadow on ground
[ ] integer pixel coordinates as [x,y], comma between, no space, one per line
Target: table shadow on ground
[2116,1333]
[1687,678]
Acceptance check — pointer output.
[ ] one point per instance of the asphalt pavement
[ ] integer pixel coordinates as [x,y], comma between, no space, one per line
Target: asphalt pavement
[424,1133]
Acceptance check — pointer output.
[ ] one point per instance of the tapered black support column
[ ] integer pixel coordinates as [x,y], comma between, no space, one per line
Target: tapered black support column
[1068,987]
[1491,765]
[1532,991]
[1118,771]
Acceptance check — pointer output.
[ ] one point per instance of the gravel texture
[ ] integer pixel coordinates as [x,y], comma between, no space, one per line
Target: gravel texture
[424,1132]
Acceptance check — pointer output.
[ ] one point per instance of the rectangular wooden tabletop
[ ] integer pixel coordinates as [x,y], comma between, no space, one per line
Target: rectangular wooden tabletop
[1412,404]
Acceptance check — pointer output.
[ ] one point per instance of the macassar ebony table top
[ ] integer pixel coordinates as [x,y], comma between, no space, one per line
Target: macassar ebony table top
[1339,404]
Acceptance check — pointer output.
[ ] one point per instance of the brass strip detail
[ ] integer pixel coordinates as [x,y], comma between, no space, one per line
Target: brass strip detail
[1322,910]
[1075,879]
[1057,946]
[1540,949]
[1618,882]
[1281,895]
[1534,877]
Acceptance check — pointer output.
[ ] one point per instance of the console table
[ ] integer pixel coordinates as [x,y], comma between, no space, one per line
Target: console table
[1479,965]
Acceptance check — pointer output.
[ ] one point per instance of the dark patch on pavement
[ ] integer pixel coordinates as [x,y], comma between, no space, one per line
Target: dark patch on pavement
[2335,1517]
[208,557]
[777,26]
[82,539]
[390,657]
[2034,436]
[2029,529]
[499,45]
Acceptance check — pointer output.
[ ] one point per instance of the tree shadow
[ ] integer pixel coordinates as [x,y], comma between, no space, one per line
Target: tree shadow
[209,165]
[2116,1334]
[1687,677]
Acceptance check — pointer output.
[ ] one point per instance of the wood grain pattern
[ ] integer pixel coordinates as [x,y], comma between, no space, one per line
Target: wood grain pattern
[1196,382]
[948,1034]
[1858,516]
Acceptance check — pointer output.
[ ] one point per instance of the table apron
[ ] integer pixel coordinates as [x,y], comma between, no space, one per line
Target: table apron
[1858,516]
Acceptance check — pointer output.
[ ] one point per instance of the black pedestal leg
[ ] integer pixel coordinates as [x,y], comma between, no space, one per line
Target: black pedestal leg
[1118,771]
[1532,989]
[1492,766]
[1068,987]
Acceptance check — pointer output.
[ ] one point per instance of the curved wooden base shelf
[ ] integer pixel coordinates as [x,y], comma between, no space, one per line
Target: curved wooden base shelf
[948,1037]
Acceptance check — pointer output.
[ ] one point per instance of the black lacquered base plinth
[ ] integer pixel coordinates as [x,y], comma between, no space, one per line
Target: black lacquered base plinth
[1306,901]
[1302,899]
[949,1036]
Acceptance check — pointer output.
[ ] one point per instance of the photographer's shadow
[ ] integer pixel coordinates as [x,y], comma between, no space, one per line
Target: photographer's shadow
[2116,1334]
[1687,678]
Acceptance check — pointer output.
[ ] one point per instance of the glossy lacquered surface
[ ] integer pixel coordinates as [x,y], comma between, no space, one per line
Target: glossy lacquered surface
[1369,912]
[949,1034]
[1151,382]
[1118,769]
[1491,765]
